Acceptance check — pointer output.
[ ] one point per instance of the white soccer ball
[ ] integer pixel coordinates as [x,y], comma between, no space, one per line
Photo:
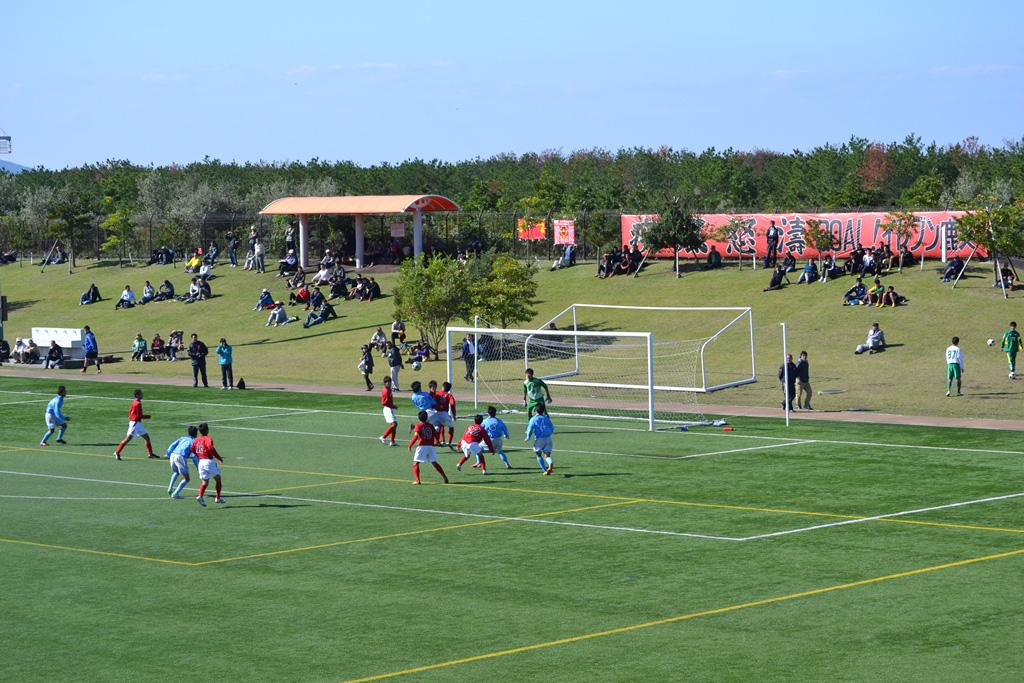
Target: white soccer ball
[416,365]
[991,342]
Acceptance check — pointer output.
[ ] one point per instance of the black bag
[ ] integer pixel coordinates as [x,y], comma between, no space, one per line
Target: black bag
[240,384]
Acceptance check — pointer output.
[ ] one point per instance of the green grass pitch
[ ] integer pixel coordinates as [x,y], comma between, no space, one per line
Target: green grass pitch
[825,551]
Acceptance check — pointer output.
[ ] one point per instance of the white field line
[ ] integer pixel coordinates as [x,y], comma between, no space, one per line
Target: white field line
[18,403]
[687,435]
[743,450]
[251,417]
[150,498]
[399,508]
[873,518]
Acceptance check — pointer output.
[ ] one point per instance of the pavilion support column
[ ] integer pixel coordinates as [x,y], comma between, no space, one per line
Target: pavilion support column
[303,241]
[360,241]
[417,232]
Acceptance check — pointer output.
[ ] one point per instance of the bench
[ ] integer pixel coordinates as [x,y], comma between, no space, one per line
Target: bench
[68,338]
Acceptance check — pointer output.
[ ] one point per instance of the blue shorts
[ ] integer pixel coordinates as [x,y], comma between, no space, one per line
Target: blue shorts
[542,444]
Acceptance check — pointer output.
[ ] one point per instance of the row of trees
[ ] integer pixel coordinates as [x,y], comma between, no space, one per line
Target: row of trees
[116,205]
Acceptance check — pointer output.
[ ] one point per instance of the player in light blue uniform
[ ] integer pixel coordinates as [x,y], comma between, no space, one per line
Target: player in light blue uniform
[179,453]
[496,429]
[541,428]
[55,417]
[422,400]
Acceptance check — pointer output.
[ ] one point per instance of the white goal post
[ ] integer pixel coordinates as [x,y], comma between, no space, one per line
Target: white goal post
[704,386]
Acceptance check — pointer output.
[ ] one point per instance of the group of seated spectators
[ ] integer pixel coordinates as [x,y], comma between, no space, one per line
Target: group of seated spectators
[158,349]
[57,257]
[619,262]
[876,295]
[8,256]
[27,352]
[954,267]
[198,290]
[162,256]
[568,258]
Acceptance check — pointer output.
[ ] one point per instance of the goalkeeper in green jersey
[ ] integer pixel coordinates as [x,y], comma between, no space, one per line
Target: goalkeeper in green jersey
[1011,344]
[534,392]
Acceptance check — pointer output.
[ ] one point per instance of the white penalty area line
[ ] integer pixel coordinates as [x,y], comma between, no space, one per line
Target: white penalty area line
[18,403]
[399,508]
[72,498]
[252,417]
[890,515]
[744,450]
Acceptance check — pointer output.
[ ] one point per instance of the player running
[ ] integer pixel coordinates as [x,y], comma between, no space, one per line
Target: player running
[496,429]
[444,411]
[471,444]
[424,435]
[534,391]
[954,366]
[1011,343]
[179,453]
[387,401]
[135,428]
[55,417]
[202,448]
[422,400]
[541,428]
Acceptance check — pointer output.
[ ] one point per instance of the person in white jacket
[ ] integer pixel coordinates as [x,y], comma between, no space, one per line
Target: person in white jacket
[875,340]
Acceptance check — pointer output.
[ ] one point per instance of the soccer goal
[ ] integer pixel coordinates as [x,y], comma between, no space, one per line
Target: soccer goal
[607,374]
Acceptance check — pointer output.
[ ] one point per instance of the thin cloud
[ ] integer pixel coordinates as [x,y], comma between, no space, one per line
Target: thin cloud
[974,70]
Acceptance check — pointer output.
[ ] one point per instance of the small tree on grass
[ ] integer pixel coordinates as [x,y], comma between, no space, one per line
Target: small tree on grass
[730,233]
[120,231]
[901,224]
[503,292]
[431,294]
[676,228]
[996,226]
[817,235]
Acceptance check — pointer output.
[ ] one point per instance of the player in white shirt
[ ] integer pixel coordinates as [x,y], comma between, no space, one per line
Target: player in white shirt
[954,366]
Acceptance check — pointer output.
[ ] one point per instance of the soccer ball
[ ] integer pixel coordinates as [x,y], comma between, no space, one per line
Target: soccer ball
[416,365]
[991,342]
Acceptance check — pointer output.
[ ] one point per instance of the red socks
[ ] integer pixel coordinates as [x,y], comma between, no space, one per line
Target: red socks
[463,460]
[483,463]
[120,447]
[202,488]
[390,432]
[416,471]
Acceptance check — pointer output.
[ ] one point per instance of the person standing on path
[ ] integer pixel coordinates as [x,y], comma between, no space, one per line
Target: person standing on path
[92,350]
[787,375]
[366,367]
[227,376]
[954,366]
[803,383]
[1011,343]
[198,351]
[395,363]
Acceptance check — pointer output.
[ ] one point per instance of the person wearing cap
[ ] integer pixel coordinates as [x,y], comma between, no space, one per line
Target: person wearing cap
[289,264]
[265,301]
[328,259]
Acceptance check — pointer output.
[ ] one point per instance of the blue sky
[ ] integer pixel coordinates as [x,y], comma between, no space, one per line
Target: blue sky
[373,82]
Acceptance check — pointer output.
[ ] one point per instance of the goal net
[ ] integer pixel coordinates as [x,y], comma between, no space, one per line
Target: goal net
[604,373]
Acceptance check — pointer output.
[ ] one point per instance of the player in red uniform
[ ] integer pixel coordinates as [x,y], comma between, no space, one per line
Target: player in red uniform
[202,448]
[387,400]
[425,436]
[470,444]
[135,428]
[444,411]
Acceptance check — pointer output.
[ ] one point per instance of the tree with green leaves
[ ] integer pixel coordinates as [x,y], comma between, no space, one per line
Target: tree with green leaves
[121,233]
[504,292]
[730,233]
[817,235]
[677,228]
[901,223]
[430,294]
[996,226]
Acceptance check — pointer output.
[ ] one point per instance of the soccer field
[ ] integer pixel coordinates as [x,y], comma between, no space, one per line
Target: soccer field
[824,551]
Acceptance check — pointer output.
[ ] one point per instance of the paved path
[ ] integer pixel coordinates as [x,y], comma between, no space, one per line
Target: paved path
[857,416]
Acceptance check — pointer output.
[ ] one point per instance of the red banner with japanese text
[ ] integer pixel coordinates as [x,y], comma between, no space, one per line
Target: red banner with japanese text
[532,229]
[849,231]
[565,231]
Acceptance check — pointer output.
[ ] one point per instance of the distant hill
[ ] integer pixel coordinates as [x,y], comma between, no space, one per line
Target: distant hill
[12,168]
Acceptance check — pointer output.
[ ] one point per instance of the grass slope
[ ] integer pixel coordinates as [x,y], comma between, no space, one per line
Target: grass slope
[908,378]
[350,572]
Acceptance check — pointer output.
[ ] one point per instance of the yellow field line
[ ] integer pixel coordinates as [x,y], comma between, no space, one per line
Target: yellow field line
[679,618]
[402,534]
[311,486]
[574,494]
[90,551]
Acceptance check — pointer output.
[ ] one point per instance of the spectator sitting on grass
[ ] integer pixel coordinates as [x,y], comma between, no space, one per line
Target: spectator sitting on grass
[211,254]
[289,264]
[321,276]
[1006,277]
[206,271]
[328,260]
[856,295]
[26,351]
[374,290]
[952,271]
[829,269]
[193,292]
[892,298]
[205,292]
[127,299]
[148,293]
[316,297]
[166,292]
[789,262]
[54,356]
[605,266]
[338,288]
[265,300]
[157,347]
[195,262]
[138,347]
[90,296]
[624,265]
[323,312]
[907,258]
[379,340]
[778,275]
[875,293]
[875,341]
[420,351]
[810,272]
[714,259]
[279,316]
[867,263]
[296,280]
[299,296]
[888,258]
